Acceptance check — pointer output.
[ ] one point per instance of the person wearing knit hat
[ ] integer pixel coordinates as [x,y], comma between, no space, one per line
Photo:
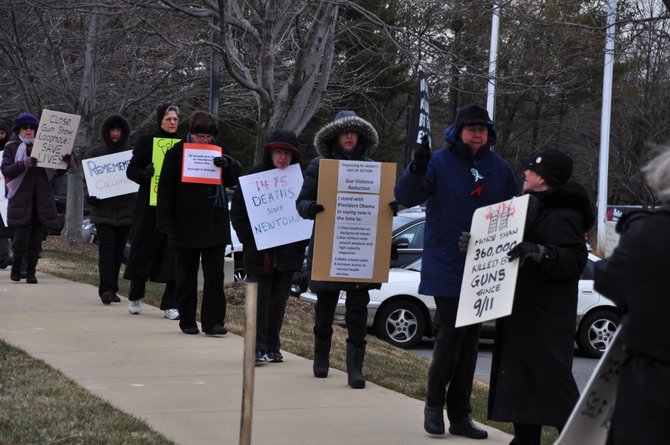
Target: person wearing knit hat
[271,268]
[4,135]
[453,182]
[346,137]
[195,218]
[531,378]
[151,258]
[31,208]
[112,216]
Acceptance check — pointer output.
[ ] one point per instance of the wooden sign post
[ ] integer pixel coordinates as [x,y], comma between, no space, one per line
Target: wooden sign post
[249,363]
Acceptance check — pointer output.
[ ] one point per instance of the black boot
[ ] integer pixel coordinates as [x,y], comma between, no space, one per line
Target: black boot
[321,356]
[15,274]
[30,270]
[355,356]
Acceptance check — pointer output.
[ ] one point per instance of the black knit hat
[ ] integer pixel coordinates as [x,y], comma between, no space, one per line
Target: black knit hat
[554,166]
[4,127]
[24,119]
[202,122]
[283,139]
[470,115]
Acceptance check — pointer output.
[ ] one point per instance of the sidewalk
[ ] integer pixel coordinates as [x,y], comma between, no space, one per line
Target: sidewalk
[189,388]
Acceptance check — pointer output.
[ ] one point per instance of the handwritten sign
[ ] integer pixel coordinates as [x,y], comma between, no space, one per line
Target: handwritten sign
[55,137]
[489,279]
[591,417]
[354,230]
[198,164]
[106,175]
[160,147]
[269,197]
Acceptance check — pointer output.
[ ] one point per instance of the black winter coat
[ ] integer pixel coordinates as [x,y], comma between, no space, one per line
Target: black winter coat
[35,190]
[197,214]
[284,258]
[635,277]
[115,210]
[150,256]
[531,371]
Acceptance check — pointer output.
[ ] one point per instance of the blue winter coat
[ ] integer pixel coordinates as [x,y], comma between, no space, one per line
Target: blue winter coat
[446,188]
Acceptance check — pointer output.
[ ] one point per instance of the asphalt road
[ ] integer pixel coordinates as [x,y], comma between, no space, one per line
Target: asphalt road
[582,367]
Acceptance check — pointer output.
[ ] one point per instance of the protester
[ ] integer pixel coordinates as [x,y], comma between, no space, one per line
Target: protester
[634,277]
[112,216]
[271,268]
[150,256]
[457,180]
[31,207]
[5,232]
[347,137]
[531,373]
[195,218]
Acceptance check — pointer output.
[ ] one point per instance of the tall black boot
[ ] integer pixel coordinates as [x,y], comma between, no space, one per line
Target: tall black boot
[355,356]
[15,274]
[321,355]
[30,270]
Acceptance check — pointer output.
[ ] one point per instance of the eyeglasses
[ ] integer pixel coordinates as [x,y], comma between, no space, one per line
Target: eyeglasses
[28,127]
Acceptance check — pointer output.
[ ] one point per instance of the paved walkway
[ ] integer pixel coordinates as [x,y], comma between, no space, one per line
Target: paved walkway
[189,388]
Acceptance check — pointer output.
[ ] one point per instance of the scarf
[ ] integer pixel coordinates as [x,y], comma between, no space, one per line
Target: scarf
[21,153]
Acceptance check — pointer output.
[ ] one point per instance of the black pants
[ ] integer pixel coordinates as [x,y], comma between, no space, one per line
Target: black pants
[273,293]
[356,316]
[4,249]
[213,307]
[454,361]
[28,239]
[110,255]
[525,434]
[168,300]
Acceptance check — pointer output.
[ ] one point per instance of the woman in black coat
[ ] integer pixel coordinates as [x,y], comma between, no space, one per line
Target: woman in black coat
[112,216]
[271,268]
[347,137]
[195,218]
[531,372]
[635,277]
[150,256]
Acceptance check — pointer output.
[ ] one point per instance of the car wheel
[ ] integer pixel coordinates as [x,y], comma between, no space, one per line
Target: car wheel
[240,275]
[401,323]
[596,332]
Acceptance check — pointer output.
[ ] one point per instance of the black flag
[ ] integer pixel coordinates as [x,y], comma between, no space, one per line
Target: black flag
[418,123]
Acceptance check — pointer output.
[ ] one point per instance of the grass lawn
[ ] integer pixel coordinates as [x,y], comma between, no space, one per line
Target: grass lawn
[51,411]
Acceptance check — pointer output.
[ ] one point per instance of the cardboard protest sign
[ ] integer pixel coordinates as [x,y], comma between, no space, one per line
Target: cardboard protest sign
[352,238]
[590,419]
[489,279]
[106,175]
[160,147]
[55,137]
[269,197]
[198,164]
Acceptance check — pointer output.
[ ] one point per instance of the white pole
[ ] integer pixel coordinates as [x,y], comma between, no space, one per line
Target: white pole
[605,124]
[493,59]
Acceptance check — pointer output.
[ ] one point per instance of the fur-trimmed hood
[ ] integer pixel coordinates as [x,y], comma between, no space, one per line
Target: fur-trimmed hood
[115,121]
[345,121]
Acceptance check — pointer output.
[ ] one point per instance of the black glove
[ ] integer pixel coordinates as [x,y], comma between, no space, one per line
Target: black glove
[524,250]
[394,207]
[223,161]
[315,208]
[421,157]
[463,241]
[148,171]
[93,200]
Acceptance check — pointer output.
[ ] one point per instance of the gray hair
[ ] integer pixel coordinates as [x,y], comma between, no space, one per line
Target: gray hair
[657,174]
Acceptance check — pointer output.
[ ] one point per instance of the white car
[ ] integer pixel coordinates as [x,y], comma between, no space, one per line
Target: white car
[401,316]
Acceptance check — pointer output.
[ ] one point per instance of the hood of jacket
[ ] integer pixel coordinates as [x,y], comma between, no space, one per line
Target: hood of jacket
[325,140]
[115,121]
[570,195]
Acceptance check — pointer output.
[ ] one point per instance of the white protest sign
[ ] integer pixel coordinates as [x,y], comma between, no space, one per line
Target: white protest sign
[359,177]
[489,279]
[3,200]
[106,175]
[269,197]
[55,137]
[590,419]
[198,164]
